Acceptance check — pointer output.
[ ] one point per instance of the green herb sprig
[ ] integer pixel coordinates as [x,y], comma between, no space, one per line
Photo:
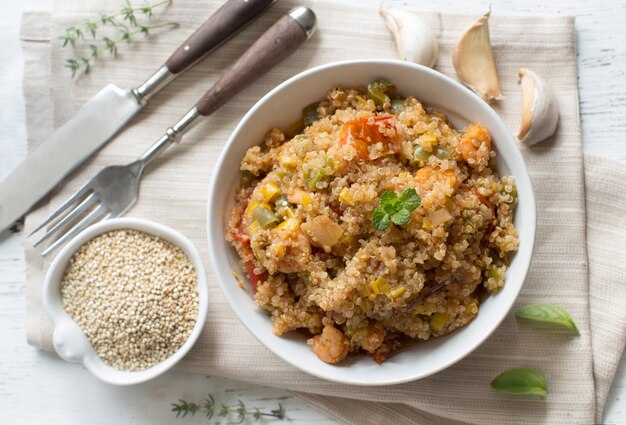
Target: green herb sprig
[209,407]
[395,209]
[548,313]
[521,381]
[127,23]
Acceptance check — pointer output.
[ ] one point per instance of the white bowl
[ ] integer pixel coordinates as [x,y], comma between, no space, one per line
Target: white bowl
[69,340]
[280,108]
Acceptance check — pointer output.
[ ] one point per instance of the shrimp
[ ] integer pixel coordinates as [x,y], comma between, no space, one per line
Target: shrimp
[374,338]
[296,253]
[430,174]
[476,145]
[331,346]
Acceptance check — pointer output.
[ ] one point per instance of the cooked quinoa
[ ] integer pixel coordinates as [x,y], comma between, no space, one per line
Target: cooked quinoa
[302,223]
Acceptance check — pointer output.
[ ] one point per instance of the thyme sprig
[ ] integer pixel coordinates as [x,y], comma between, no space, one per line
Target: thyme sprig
[209,407]
[128,22]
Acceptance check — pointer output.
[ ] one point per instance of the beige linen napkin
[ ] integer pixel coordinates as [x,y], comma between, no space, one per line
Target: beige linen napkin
[579,369]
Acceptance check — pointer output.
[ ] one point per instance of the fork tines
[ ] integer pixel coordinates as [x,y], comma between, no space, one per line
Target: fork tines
[75,214]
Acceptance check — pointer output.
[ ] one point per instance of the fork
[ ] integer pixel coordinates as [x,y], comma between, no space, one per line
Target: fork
[116,188]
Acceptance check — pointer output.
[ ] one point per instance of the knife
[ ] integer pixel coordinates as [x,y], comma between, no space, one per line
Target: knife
[108,111]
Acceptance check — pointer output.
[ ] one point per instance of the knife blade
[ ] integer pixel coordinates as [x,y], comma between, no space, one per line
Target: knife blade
[110,110]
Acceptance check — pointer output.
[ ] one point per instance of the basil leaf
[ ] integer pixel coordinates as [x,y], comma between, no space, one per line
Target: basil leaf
[401,218]
[380,220]
[521,381]
[548,313]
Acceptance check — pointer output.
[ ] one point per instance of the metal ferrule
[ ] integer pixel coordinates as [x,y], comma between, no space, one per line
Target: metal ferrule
[152,85]
[172,135]
[186,123]
[305,18]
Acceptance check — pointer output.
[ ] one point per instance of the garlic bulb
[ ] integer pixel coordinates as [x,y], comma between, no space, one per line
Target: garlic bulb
[540,108]
[473,61]
[415,40]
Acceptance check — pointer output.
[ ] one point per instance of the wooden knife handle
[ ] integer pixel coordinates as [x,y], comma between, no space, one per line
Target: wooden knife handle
[223,24]
[278,42]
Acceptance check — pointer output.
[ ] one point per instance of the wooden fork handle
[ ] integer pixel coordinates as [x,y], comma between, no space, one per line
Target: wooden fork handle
[278,42]
[222,25]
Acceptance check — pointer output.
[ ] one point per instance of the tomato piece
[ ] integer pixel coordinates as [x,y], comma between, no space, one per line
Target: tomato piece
[361,133]
[255,279]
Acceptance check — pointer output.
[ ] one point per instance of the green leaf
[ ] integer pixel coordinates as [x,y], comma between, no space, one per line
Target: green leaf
[410,199]
[388,198]
[401,218]
[521,381]
[380,220]
[548,313]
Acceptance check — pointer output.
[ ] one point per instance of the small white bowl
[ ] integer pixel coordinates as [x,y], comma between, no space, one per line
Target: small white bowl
[282,107]
[70,342]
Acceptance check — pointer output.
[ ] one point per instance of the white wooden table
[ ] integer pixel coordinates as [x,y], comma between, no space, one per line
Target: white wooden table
[37,388]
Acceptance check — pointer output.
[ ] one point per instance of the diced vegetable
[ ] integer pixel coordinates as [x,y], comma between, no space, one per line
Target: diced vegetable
[264,216]
[301,197]
[380,91]
[397,105]
[255,279]
[440,216]
[384,286]
[306,200]
[247,175]
[309,114]
[375,287]
[254,205]
[270,191]
[365,304]
[428,138]
[291,224]
[420,154]
[323,232]
[288,160]
[427,225]
[472,308]
[442,153]
[425,310]
[395,293]
[281,202]
[288,213]
[346,197]
[438,321]
[492,272]
[314,176]
[360,134]
[254,227]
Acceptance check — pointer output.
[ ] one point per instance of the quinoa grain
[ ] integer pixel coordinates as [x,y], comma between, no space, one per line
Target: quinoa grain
[134,295]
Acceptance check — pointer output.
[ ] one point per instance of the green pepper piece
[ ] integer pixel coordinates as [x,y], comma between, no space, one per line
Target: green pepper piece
[379,91]
[282,202]
[265,217]
[420,154]
[397,105]
[442,153]
[309,114]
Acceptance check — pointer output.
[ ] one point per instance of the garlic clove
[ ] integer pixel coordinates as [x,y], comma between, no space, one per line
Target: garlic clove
[473,60]
[415,39]
[540,108]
